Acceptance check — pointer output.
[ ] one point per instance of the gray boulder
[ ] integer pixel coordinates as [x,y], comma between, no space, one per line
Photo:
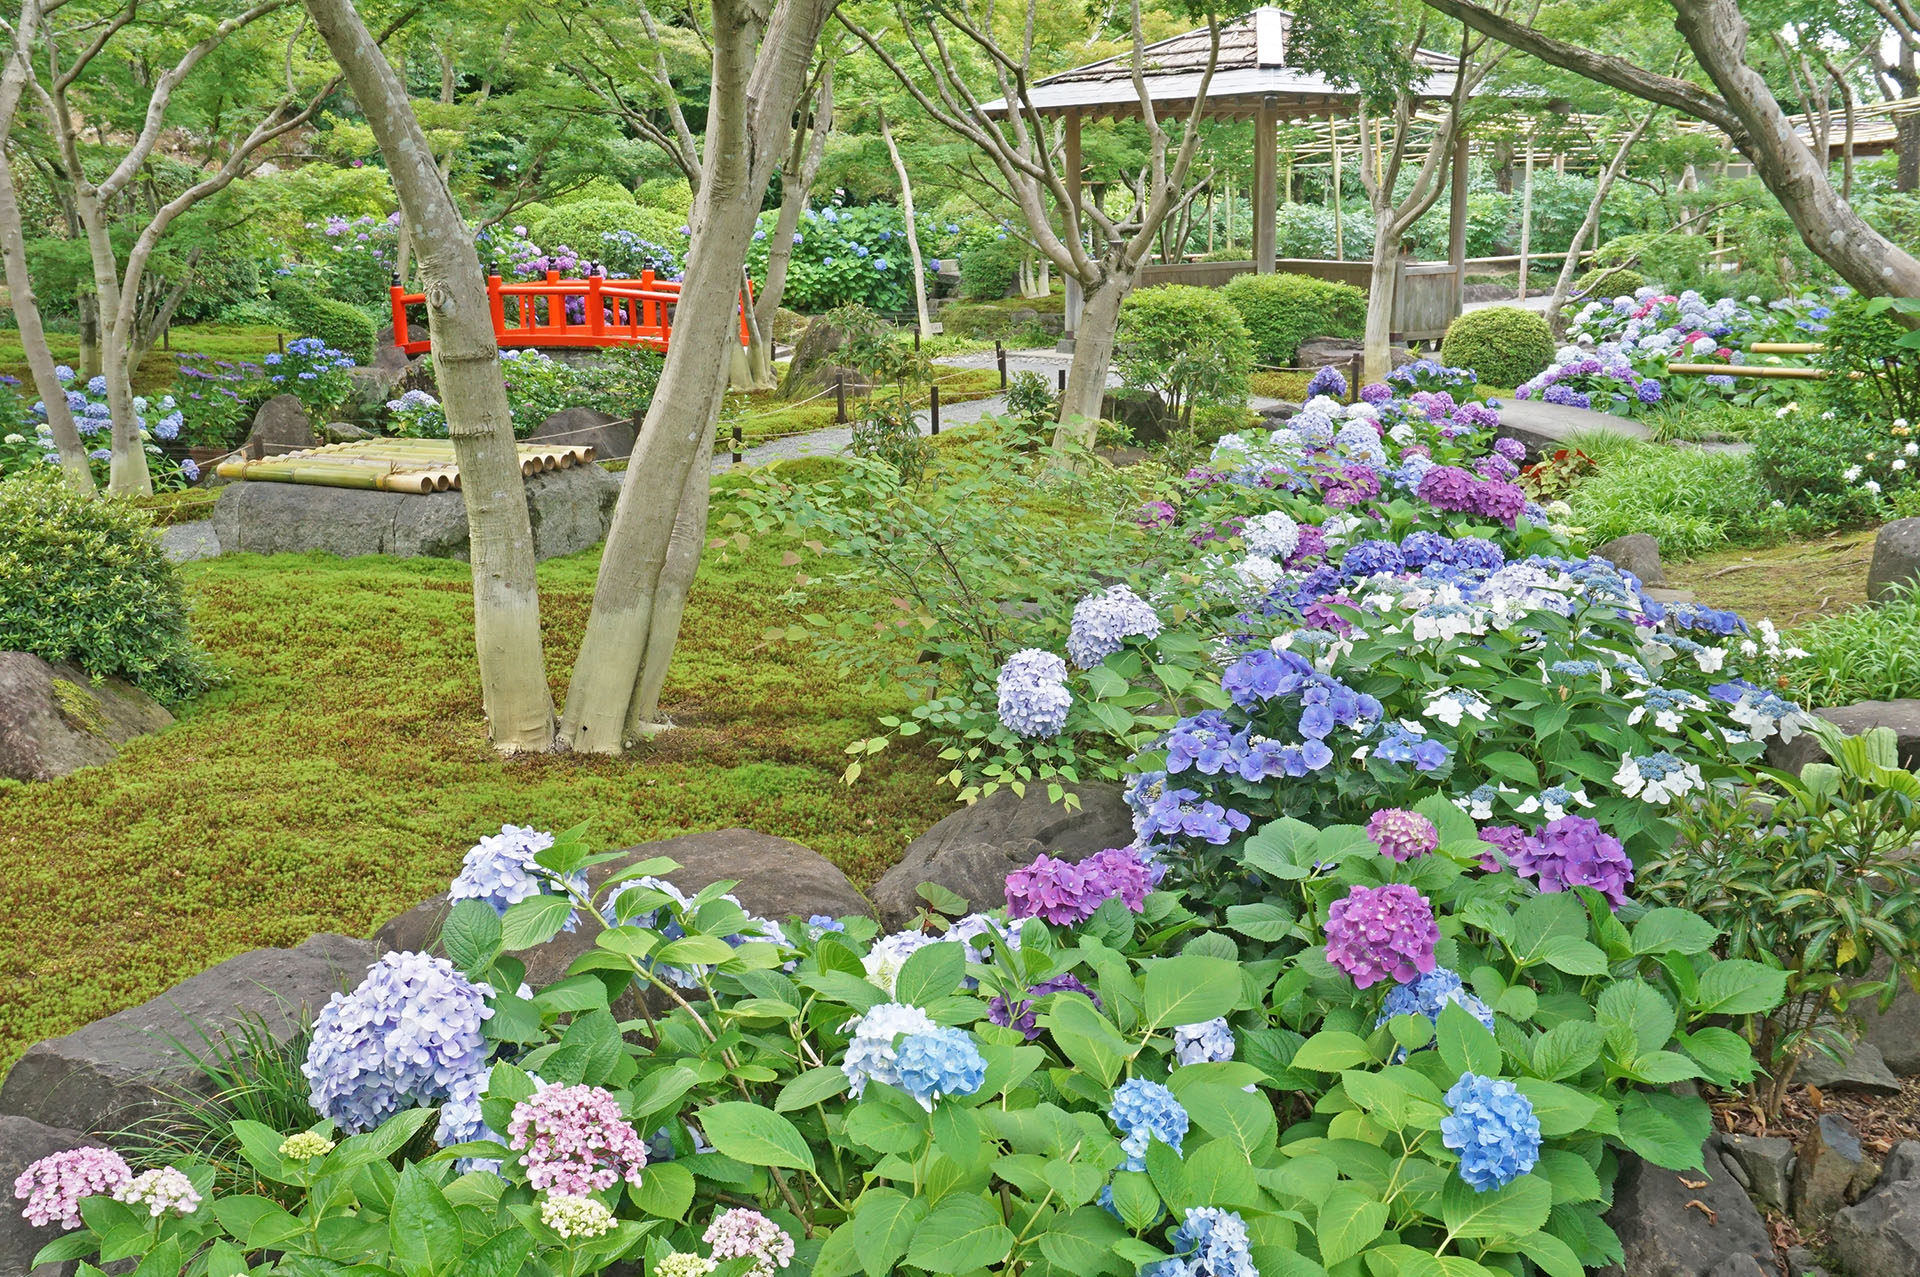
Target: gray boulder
[1863,1070]
[1830,1170]
[344,432]
[1317,352]
[1896,559]
[1741,1265]
[1880,1235]
[118,1070]
[971,851]
[610,437]
[1902,717]
[23,1142]
[816,363]
[778,879]
[281,426]
[1638,553]
[1140,411]
[381,378]
[570,510]
[1763,1164]
[54,719]
[1664,1234]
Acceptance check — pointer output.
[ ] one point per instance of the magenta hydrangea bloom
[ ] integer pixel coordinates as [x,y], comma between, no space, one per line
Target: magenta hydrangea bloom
[1574,851]
[1063,893]
[1401,834]
[575,1141]
[1508,838]
[1380,933]
[1020,1015]
[54,1186]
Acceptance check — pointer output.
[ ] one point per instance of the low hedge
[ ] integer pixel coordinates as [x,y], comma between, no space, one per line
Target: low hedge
[1281,311]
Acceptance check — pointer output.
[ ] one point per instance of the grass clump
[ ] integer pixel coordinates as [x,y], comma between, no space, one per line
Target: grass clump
[1866,653]
[1688,499]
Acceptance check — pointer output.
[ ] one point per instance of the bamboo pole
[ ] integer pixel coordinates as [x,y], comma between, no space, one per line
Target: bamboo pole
[1786,347]
[1747,370]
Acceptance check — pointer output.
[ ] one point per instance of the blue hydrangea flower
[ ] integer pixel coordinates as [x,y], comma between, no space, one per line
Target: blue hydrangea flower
[1145,1111]
[938,1063]
[871,1056]
[501,870]
[1214,1243]
[1207,1042]
[406,1036]
[1103,622]
[1033,696]
[1493,1128]
[1429,994]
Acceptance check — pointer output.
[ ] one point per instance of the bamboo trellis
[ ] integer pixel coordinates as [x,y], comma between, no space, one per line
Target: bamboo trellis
[390,465]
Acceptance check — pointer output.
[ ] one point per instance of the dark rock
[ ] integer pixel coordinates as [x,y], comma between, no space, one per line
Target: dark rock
[1831,1170]
[1862,1070]
[54,719]
[281,426]
[1901,717]
[610,437]
[778,879]
[1663,1235]
[1143,413]
[1767,1163]
[118,1070]
[1880,1235]
[1280,410]
[971,851]
[1638,553]
[1896,559]
[1740,1266]
[1317,352]
[344,432]
[815,364]
[1802,1261]
[381,378]
[1902,1164]
[23,1142]
[570,510]
[418,375]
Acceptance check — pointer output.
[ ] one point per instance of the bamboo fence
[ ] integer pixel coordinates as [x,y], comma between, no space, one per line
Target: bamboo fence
[390,465]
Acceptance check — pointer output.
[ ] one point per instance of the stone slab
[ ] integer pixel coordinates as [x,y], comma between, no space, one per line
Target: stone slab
[1545,427]
[55,719]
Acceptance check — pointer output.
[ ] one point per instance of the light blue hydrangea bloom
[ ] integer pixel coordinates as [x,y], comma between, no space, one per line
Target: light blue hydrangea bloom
[1033,695]
[1214,1243]
[1145,1111]
[501,870]
[1103,622]
[1429,995]
[1208,1042]
[1493,1128]
[871,1056]
[938,1063]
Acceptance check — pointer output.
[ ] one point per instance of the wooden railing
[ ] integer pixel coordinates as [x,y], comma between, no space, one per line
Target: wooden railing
[591,312]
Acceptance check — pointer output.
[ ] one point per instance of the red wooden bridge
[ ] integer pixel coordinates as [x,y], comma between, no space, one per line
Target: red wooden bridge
[611,312]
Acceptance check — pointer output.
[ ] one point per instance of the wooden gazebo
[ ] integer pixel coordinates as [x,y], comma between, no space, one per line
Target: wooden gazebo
[1253,81]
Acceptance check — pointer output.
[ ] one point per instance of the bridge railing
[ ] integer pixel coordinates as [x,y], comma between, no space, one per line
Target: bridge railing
[591,312]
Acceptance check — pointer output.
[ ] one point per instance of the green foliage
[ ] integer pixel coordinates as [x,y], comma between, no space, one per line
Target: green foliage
[581,225]
[1504,344]
[1188,345]
[1874,371]
[1619,282]
[1281,311]
[1689,500]
[1803,457]
[311,314]
[1816,882]
[85,580]
[1862,654]
[988,268]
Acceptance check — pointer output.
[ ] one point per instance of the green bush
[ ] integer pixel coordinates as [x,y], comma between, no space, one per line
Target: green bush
[312,314]
[1504,344]
[1618,283]
[1281,311]
[1188,345]
[580,225]
[1803,456]
[1862,654]
[1862,339]
[85,580]
[1689,500]
[988,268]
[668,194]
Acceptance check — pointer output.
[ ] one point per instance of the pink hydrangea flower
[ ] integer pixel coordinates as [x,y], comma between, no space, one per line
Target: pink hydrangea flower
[1401,834]
[1378,933]
[575,1141]
[54,1186]
[741,1233]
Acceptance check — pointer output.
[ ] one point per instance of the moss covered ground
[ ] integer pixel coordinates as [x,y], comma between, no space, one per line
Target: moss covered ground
[155,373]
[763,415]
[1790,584]
[340,775]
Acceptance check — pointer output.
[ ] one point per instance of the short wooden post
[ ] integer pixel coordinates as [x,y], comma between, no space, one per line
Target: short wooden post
[736,443]
[166,337]
[1000,357]
[934,407]
[280,342]
[840,397]
[916,339]
[1354,365]
[1063,381]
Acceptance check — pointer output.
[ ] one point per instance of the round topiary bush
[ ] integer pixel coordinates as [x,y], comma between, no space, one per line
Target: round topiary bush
[1504,344]
[313,314]
[1188,345]
[84,579]
[988,269]
[1611,283]
[1281,311]
[581,225]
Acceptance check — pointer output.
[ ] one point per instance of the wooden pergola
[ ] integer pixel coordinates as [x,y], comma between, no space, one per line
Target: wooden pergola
[1252,81]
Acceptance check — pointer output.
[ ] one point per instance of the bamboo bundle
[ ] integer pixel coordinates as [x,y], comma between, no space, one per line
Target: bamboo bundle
[1747,370]
[390,465]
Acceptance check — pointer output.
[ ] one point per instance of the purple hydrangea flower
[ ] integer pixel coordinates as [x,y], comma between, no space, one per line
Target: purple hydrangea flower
[1377,933]
[1102,623]
[1508,838]
[1020,1015]
[1574,851]
[1327,381]
[1512,449]
[1208,1042]
[1366,558]
[501,870]
[54,1186]
[1063,893]
[1376,393]
[1401,834]
[1033,695]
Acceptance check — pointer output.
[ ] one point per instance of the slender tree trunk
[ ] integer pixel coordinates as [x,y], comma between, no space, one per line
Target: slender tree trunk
[1376,357]
[1092,353]
[677,573]
[89,325]
[127,472]
[913,233]
[1570,265]
[797,187]
[749,116]
[506,600]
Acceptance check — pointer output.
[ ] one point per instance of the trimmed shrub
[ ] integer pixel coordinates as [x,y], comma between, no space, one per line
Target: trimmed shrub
[1504,344]
[85,580]
[1619,283]
[1188,345]
[580,225]
[1281,311]
[987,269]
[313,314]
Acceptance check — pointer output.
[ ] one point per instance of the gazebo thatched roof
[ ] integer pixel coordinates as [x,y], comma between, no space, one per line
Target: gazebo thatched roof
[1252,72]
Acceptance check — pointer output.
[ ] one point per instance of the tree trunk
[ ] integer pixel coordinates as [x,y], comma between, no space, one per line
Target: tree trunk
[506,599]
[913,233]
[89,334]
[749,116]
[677,574]
[1906,133]
[1570,265]
[1092,353]
[127,472]
[796,187]
[1376,355]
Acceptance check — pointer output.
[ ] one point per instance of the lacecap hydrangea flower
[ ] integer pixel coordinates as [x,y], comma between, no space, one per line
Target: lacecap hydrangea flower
[1208,1042]
[1032,694]
[54,1186]
[1657,778]
[1401,834]
[743,1234]
[1379,933]
[1493,1128]
[1102,623]
[1145,1111]
[871,1055]
[500,869]
[1429,995]
[1574,851]
[404,1037]
[574,1140]
[1064,893]
[166,1191]
[940,1062]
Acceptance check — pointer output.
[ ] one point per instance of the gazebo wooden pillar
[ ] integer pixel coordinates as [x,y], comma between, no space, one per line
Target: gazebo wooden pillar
[1070,161]
[1266,208]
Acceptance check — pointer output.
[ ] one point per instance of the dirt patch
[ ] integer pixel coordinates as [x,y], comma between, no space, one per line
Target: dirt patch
[1790,584]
